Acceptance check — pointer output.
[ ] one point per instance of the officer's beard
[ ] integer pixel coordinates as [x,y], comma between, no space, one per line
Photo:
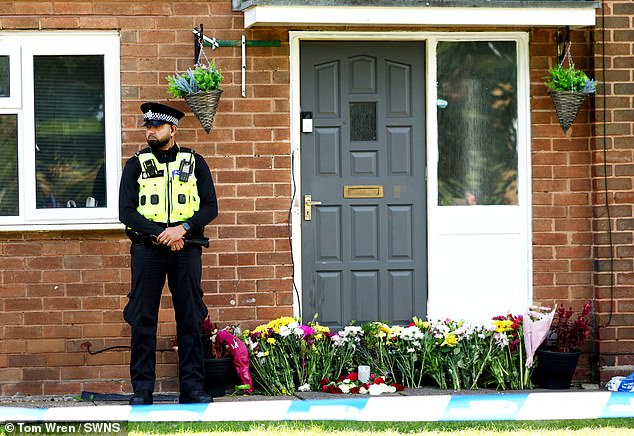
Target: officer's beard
[157,144]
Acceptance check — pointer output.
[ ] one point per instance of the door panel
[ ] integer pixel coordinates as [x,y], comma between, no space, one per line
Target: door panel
[364,250]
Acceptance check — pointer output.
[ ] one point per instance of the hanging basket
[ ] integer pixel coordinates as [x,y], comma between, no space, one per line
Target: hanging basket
[204,105]
[567,104]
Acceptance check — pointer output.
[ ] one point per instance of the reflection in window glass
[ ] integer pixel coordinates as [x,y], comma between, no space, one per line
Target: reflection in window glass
[477,128]
[69,131]
[9,165]
[5,77]
[363,121]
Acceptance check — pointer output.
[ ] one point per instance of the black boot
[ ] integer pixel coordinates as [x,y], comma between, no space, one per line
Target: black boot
[195,397]
[141,398]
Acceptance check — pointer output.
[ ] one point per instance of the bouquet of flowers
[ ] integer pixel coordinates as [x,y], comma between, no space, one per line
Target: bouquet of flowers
[350,384]
[508,368]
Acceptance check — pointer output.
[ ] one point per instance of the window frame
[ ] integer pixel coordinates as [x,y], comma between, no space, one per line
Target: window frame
[29,45]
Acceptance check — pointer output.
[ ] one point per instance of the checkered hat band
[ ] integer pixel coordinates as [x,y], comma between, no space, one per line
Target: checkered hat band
[155,116]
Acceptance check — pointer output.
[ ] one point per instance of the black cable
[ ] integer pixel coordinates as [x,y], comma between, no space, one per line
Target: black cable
[288,228]
[605,169]
[87,346]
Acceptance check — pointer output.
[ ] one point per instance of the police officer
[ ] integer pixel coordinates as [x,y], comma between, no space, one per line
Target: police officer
[166,196]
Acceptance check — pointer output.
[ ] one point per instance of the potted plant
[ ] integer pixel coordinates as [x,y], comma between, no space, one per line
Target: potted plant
[557,358]
[217,360]
[200,87]
[568,88]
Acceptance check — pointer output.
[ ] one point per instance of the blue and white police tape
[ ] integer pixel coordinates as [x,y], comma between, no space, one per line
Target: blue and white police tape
[465,407]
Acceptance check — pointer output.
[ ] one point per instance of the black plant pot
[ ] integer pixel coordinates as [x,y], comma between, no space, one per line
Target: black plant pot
[216,371]
[555,369]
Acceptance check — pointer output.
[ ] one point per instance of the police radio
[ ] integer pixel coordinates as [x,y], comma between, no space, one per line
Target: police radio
[184,170]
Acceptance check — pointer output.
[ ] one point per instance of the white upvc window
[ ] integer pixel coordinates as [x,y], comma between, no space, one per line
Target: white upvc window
[59,130]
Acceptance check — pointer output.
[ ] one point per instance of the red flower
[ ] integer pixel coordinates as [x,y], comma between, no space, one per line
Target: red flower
[334,390]
[398,386]
[324,381]
[353,376]
[355,390]
[378,381]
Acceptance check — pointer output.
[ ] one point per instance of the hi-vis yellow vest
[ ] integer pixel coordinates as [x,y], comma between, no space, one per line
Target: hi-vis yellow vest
[163,196]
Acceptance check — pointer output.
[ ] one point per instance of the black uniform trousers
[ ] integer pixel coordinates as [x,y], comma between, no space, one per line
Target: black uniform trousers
[183,268]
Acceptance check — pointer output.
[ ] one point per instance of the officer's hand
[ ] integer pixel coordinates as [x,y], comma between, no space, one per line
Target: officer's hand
[177,245]
[171,235]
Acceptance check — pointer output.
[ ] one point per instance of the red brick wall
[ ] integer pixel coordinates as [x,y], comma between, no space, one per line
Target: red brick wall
[614,104]
[562,188]
[62,288]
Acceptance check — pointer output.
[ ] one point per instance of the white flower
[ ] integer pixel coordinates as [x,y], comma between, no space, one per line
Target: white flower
[411,350]
[501,340]
[375,390]
[285,331]
[363,390]
[390,389]
[251,343]
[345,388]
[304,388]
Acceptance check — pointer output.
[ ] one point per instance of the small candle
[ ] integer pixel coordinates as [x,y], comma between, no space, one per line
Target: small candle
[364,373]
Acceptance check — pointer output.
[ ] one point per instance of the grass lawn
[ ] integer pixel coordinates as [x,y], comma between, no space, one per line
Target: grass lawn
[590,427]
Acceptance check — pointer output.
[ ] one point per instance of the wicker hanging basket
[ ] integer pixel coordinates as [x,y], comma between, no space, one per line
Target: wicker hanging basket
[567,105]
[204,105]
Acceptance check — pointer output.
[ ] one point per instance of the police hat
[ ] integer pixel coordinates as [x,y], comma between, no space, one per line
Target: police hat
[155,114]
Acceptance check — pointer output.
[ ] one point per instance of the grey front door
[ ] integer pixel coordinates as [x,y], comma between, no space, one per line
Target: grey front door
[363,159]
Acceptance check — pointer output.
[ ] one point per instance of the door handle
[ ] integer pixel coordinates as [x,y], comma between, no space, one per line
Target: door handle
[308,211]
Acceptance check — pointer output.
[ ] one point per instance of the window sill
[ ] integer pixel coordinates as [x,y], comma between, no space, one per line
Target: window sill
[57,226]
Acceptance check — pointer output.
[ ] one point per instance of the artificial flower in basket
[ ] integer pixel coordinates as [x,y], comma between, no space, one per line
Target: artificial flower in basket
[557,358]
[200,87]
[568,88]
[566,334]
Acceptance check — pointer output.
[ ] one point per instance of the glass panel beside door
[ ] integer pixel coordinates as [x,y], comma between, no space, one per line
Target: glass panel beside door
[477,123]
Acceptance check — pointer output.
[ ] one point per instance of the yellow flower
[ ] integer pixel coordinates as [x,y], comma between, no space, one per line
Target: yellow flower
[318,336]
[261,329]
[450,340]
[320,328]
[279,322]
[396,329]
[502,325]
[271,341]
[385,329]
[422,325]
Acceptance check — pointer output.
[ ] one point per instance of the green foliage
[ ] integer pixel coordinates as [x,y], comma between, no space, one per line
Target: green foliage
[569,79]
[201,78]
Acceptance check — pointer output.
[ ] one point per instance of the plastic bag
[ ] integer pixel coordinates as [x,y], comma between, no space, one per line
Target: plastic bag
[621,384]
[240,357]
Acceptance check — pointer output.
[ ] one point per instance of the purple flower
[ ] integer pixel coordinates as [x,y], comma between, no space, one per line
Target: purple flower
[308,331]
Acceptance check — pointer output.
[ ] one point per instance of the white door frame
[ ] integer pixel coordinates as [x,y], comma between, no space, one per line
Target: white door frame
[438,217]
